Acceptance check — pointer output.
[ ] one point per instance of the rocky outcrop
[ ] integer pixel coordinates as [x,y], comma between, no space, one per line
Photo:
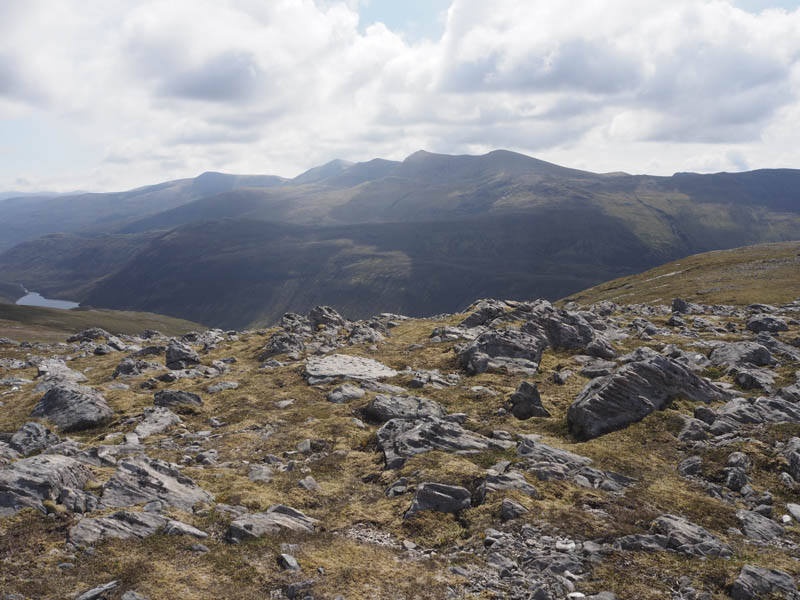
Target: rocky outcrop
[141,480]
[133,367]
[741,412]
[73,408]
[547,463]
[757,582]
[634,391]
[741,354]
[29,482]
[126,525]
[180,355]
[402,438]
[439,497]
[168,398]
[502,351]
[154,421]
[526,402]
[277,518]
[675,533]
[769,323]
[32,438]
[383,408]
[758,527]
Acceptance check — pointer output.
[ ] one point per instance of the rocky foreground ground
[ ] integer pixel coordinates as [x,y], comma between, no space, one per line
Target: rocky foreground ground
[516,450]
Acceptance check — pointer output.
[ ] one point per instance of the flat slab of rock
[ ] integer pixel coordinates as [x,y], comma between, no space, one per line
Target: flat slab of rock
[634,391]
[346,367]
[140,480]
[383,408]
[439,497]
[28,482]
[757,582]
[73,408]
[402,438]
[126,525]
[277,518]
[740,412]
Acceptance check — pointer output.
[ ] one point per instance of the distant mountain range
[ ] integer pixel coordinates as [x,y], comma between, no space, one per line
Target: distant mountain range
[424,235]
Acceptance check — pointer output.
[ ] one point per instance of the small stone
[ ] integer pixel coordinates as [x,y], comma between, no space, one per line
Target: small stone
[288,562]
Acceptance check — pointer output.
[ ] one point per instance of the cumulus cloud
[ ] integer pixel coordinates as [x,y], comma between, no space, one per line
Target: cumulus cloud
[170,88]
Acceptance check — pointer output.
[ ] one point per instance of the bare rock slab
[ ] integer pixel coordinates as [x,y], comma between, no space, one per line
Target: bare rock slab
[140,480]
[346,367]
[274,520]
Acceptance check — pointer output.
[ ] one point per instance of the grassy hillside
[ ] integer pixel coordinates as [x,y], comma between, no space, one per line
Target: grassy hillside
[33,323]
[767,273]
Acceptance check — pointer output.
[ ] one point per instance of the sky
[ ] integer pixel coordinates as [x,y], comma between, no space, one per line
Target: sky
[108,95]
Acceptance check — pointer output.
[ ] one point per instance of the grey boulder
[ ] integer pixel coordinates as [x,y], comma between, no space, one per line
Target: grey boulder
[180,355]
[167,398]
[762,322]
[685,537]
[346,367]
[757,582]
[28,482]
[155,420]
[758,527]
[503,351]
[383,408]
[32,438]
[634,391]
[73,408]
[439,497]
[526,402]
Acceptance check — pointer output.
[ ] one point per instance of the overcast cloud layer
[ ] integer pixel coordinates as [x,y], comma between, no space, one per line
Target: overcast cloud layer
[110,94]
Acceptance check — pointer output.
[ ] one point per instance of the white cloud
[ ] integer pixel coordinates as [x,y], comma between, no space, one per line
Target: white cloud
[169,88]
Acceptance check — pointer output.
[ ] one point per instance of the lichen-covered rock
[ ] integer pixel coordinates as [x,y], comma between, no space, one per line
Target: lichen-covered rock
[634,391]
[73,408]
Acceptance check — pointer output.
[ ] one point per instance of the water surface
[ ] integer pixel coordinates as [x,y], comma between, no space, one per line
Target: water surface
[34,299]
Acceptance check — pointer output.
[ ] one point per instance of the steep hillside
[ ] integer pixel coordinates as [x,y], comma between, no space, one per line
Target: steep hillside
[28,218]
[615,452]
[763,273]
